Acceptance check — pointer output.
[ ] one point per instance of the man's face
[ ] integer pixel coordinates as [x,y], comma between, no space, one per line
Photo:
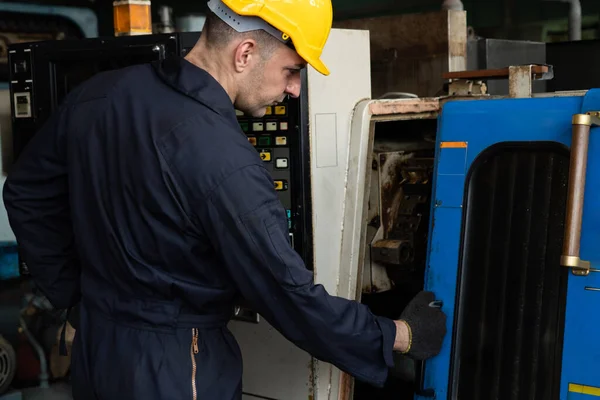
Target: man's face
[269,81]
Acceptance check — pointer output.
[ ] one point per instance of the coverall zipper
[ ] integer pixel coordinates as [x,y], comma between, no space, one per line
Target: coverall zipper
[193,352]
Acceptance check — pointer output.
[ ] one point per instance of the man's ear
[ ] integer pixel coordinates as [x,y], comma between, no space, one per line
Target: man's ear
[245,51]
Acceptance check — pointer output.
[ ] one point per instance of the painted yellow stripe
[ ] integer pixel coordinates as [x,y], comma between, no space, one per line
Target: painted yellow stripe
[453,145]
[589,390]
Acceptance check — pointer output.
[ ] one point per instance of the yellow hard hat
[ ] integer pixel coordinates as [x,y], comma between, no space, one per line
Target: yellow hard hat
[306,23]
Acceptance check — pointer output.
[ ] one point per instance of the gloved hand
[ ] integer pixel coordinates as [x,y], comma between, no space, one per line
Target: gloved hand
[426,325]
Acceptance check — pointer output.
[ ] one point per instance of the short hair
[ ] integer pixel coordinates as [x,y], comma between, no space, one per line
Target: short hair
[219,34]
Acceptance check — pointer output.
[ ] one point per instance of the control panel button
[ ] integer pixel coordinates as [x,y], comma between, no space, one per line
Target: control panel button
[283,126]
[281,163]
[280,110]
[244,126]
[239,113]
[265,155]
[289,218]
[252,140]
[269,111]
[271,126]
[258,127]
[281,140]
[264,141]
[281,185]
[22,103]
[20,66]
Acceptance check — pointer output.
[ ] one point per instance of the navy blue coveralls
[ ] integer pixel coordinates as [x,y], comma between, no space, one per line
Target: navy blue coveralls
[142,200]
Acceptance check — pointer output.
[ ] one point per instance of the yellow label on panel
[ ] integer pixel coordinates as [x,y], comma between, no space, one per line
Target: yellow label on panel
[453,145]
[265,155]
[589,390]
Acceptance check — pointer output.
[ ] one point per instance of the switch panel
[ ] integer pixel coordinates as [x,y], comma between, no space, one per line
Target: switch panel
[281,140]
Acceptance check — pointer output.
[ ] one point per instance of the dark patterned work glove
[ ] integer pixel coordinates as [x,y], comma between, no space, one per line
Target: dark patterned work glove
[426,326]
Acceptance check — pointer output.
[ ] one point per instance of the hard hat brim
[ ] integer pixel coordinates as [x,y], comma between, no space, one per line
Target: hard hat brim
[319,66]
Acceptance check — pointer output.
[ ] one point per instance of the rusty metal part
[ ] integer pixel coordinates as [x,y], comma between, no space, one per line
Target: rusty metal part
[390,192]
[520,78]
[346,387]
[463,87]
[404,194]
[395,252]
[397,170]
[538,72]
[404,106]
[576,193]
[520,81]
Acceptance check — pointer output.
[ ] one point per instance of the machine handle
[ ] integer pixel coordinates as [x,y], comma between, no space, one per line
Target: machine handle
[577,173]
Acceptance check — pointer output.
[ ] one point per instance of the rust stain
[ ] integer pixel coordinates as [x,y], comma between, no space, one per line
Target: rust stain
[498,73]
[346,387]
[404,106]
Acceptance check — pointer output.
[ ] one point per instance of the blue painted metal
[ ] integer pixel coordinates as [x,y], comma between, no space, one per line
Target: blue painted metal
[482,124]
[580,396]
[84,18]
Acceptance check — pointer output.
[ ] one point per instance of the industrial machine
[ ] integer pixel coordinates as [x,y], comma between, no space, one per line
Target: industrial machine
[512,214]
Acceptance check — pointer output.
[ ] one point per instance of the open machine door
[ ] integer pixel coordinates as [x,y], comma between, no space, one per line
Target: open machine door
[521,324]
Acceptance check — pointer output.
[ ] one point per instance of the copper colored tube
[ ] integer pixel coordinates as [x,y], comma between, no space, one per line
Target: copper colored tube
[576,191]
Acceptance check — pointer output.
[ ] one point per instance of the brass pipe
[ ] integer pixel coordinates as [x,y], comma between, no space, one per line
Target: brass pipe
[576,191]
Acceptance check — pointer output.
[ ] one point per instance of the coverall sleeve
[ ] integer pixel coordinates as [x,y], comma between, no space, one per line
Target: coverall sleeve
[248,227]
[36,197]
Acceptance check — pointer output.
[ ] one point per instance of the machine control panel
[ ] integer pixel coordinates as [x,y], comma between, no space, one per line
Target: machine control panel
[277,139]
[271,135]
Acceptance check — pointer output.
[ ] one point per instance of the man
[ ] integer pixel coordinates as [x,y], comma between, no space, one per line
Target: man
[142,201]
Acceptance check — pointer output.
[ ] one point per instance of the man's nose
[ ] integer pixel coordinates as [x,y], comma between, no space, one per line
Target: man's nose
[294,86]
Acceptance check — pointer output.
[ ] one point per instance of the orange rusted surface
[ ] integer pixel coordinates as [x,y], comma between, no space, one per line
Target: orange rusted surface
[405,106]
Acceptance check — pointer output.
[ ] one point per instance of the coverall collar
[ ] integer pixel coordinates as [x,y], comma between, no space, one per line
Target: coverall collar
[196,83]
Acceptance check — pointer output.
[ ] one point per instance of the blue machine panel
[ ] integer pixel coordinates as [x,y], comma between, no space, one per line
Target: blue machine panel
[466,130]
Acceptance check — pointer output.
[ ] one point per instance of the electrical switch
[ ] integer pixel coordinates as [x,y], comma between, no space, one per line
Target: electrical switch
[280,140]
[264,141]
[280,110]
[269,111]
[271,126]
[283,126]
[265,155]
[252,140]
[281,163]
[281,185]
[258,127]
